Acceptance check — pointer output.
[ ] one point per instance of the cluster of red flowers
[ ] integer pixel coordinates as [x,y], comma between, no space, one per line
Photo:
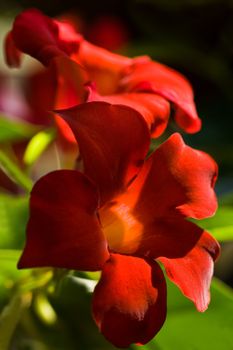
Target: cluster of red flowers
[125,211]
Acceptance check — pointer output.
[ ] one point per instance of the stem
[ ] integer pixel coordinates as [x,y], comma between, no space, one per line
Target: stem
[14,172]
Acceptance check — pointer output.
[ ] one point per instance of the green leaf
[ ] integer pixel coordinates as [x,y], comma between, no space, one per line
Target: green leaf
[15,131]
[223,233]
[9,255]
[13,218]
[10,275]
[14,172]
[185,328]
[221,225]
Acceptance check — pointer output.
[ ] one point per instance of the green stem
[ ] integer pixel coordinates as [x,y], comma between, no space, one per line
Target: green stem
[14,172]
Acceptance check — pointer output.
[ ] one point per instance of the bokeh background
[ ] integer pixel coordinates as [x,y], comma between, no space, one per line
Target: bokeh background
[196,38]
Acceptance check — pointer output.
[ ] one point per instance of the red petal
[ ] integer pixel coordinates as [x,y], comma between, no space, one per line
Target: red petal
[164,81]
[64,81]
[40,93]
[69,39]
[40,37]
[128,233]
[129,303]
[177,179]
[104,67]
[175,182]
[70,78]
[12,54]
[69,91]
[63,230]
[113,142]
[193,273]
[154,109]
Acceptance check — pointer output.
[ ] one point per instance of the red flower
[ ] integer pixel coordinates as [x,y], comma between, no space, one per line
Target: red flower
[40,37]
[121,214]
[146,86]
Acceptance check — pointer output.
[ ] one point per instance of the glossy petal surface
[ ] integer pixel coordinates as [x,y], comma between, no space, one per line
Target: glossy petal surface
[129,302]
[63,230]
[113,142]
[166,82]
[193,273]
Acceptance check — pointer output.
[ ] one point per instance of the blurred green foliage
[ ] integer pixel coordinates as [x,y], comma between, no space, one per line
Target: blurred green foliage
[15,131]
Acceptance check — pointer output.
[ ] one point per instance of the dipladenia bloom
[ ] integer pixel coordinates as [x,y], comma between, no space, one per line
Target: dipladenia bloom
[149,87]
[122,215]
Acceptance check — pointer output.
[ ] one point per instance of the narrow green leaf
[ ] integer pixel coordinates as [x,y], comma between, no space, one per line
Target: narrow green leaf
[15,131]
[14,172]
[37,145]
